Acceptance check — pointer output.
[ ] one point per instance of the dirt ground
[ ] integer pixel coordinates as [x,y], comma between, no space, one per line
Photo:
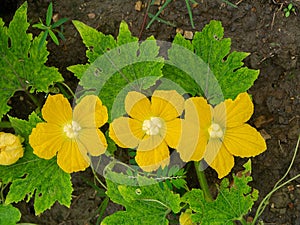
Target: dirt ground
[258,27]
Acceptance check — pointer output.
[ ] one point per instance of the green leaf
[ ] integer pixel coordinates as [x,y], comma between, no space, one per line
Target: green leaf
[78,69]
[24,127]
[32,176]
[145,205]
[22,62]
[40,26]
[232,203]
[206,66]
[96,42]
[49,14]
[117,67]
[43,39]
[59,22]
[9,215]
[53,37]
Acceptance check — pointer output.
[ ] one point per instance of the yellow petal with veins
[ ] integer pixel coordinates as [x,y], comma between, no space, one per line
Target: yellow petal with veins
[126,132]
[90,112]
[153,159]
[167,104]
[137,106]
[71,158]
[47,139]
[234,113]
[57,110]
[217,157]
[92,141]
[244,141]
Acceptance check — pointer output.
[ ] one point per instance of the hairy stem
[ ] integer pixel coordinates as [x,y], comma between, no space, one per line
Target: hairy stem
[34,100]
[203,182]
[265,201]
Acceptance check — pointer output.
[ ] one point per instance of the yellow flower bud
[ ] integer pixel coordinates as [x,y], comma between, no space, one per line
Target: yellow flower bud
[185,218]
[10,148]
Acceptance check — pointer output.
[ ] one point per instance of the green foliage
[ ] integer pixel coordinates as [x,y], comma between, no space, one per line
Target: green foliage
[212,71]
[289,9]
[32,176]
[172,177]
[166,3]
[232,203]
[9,215]
[229,3]
[117,66]
[21,62]
[145,204]
[50,29]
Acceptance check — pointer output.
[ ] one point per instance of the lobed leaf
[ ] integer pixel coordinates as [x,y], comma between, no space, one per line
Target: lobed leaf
[206,67]
[32,176]
[231,204]
[117,66]
[22,61]
[149,204]
[9,215]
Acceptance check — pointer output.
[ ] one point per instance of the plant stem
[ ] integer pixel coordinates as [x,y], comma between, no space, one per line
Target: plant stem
[102,209]
[34,100]
[243,221]
[97,178]
[157,14]
[203,182]
[265,201]
[60,85]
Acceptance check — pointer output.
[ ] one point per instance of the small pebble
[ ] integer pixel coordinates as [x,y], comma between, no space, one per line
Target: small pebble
[55,17]
[179,30]
[92,15]
[157,2]
[138,6]
[264,134]
[188,35]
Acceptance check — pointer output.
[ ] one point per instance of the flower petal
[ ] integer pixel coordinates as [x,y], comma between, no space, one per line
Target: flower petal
[198,112]
[244,141]
[173,132]
[46,139]
[194,132]
[92,140]
[126,132]
[10,148]
[218,157]
[192,143]
[167,104]
[57,110]
[137,106]
[150,142]
[234,113]
[72,159]
[90,112]
[152,160]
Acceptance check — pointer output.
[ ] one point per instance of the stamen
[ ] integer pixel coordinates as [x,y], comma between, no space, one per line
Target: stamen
[215,131]
[72,129]
[152,126]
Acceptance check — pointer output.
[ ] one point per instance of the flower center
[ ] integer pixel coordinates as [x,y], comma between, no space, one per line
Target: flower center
[152,126]
[215,131]
[72,129]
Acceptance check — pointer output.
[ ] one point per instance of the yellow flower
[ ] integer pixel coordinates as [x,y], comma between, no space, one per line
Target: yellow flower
[151,127]
[70,135]
[185,218]
[219,133]
[10,148]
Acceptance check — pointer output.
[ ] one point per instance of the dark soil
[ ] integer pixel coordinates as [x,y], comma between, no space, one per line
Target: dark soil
[258,27]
